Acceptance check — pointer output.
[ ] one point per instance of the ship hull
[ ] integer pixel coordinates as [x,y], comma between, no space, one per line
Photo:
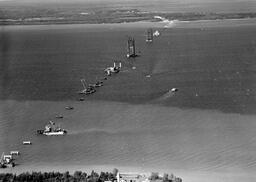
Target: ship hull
[52,133]
[57,133]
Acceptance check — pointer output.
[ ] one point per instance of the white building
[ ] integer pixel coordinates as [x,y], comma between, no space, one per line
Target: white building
[131,177]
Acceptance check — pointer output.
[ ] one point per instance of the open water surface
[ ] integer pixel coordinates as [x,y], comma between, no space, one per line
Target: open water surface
[206,128]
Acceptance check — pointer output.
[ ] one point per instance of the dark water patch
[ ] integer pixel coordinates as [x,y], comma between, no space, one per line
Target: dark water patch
[4,63]
[213,68]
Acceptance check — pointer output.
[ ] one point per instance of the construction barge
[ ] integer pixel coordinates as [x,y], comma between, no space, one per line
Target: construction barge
[52,130]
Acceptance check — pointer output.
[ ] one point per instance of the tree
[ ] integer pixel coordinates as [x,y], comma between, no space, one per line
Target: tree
[77,175]
[154,176]
[115,171]
[171,177]
[66,176]
[165,177]
[84,177]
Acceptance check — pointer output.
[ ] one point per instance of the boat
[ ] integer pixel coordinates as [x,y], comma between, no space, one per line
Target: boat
[6,161]
[52,130]
[87,89]
[156,33]
[27,143]
[81,99]
[131,48]
[14,152]
[69,108]
[174,90]
[59,116]
[149,35]
[114,69]
[90,92]
[97,84]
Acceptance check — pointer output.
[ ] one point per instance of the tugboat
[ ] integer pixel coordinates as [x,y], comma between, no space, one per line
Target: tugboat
[52,130]
[6,161]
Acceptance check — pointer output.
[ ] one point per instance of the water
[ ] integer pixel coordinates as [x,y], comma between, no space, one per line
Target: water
[131,137]
[212,67]
[205,129]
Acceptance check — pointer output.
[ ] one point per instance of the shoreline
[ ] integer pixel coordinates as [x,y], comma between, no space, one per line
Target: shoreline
[146,24]
[118,16]
[186,176]
[10,23]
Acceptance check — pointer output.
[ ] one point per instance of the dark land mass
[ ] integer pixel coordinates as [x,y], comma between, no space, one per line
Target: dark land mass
[92,14]
[78,176]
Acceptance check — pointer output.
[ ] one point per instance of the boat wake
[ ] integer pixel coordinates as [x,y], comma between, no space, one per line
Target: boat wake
[168,23]
[164,97]
[92,131]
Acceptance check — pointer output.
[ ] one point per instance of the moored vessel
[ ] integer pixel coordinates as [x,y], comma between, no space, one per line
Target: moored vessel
[6,161]
[131,48]
[149,35]
[52,130]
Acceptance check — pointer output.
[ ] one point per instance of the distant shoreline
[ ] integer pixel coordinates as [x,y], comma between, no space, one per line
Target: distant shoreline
[113,16]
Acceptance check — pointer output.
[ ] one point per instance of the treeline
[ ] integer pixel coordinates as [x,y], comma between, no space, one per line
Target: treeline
[78,176]
[165,178]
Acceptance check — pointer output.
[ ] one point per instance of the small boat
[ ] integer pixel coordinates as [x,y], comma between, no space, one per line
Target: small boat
[15,153]
[59,116]
[69,108]
[91,91]
[97,84]
[27,143]
[81,99]
[156,33]
[174,90]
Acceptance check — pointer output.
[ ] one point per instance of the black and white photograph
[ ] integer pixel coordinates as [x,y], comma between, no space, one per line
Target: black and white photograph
[127,90]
